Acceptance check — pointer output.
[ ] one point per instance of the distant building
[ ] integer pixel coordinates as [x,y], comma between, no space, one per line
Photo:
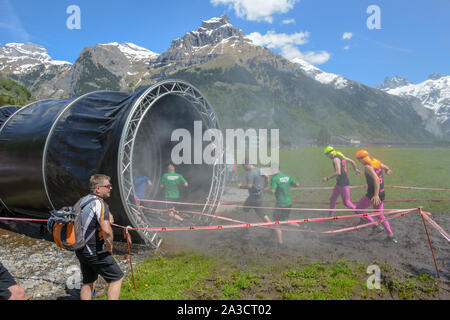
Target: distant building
[345,141]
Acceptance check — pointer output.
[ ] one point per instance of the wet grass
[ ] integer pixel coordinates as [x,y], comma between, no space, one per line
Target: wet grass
[198,277]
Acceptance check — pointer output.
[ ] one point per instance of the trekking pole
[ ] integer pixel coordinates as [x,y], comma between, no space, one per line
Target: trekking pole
[429,241]
[127,237]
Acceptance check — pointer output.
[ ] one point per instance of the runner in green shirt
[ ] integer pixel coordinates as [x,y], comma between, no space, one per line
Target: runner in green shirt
[281,187]
[170,182]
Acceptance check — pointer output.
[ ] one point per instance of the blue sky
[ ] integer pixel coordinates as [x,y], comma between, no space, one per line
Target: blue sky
[413,40]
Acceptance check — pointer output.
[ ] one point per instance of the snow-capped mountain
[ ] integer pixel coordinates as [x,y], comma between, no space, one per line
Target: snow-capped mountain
[434,94]
[112,65]
[29,64]
[392,83]
[22,57]
[208,40]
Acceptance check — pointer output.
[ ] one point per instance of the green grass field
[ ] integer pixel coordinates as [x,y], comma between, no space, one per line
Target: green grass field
[198,277]
[193,276]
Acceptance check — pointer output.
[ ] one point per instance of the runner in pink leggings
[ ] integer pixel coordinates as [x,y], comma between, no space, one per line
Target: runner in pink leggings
[342,187]
[373,170]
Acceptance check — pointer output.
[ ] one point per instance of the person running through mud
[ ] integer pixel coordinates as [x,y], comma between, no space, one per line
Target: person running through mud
[342,187]
[255,187]
[9,289]
[170,182]
[281,187]
[373,170]
[142,185]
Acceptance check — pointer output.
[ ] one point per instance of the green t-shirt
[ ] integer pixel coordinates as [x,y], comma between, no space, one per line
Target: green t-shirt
[282,183]
[170,181]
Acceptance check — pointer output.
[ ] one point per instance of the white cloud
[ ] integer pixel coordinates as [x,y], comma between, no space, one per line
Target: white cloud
[257,10]
[274,40]
[347,47]
[288,46]
[313,57]
[288,21]
[347,36]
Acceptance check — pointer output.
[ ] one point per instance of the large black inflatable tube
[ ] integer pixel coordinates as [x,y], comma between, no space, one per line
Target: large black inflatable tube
[49,149]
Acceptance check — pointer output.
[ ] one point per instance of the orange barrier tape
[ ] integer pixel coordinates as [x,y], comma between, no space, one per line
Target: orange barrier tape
[253,207]
[400,212]
[446,236]
[417,188]
[231,203]
[303,220]
[23,219]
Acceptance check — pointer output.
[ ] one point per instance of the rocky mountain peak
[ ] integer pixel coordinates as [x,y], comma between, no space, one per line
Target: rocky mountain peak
[212,32]
[435,76]
[392,83]
[24,50]
[215,23]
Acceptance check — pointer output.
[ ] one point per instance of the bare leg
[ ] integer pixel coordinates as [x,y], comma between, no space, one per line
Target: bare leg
[86,291]
[114,290]
[333,199]
[17,293]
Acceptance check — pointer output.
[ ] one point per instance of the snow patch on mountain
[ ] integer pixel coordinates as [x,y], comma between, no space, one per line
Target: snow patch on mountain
[134,52]
[434,94]
[335,80]
[17,52]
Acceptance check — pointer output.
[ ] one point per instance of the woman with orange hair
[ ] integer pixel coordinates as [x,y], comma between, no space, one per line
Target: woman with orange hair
[373,170]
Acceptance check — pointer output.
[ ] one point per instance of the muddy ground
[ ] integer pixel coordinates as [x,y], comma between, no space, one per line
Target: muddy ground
[411,254]
[44,270]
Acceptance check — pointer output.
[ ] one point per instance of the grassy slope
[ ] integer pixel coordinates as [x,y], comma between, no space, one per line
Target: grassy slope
[11,93]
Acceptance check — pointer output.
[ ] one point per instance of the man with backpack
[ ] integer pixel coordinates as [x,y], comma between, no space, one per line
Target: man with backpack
[96,257]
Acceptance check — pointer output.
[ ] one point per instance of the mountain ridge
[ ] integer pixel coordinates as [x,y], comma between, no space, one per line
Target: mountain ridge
[224,63]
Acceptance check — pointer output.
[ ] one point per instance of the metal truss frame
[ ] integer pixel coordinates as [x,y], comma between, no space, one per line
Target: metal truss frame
[125,161]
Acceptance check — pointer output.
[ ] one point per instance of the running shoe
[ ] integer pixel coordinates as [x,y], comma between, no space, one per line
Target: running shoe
[377,229]
[393,239]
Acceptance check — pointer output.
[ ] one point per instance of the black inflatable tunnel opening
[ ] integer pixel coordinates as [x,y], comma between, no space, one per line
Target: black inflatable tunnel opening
[49,149]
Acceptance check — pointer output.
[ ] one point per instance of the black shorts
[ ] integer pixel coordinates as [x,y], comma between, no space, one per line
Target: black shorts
[257,205]
[282,213]
[95,265]
[6,281]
